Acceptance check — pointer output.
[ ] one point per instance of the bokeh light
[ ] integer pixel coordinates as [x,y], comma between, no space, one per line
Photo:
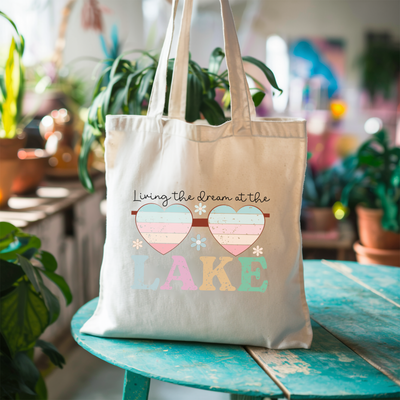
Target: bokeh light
[373,125]
[339,210]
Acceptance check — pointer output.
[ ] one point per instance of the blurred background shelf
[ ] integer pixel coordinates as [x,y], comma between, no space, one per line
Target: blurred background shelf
[340,240]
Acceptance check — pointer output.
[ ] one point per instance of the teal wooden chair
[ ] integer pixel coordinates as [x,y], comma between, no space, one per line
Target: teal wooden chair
[355,354]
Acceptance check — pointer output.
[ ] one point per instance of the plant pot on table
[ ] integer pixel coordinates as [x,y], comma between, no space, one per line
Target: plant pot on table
[378,246]
[369,255]
[319,219]
[33,165]
[10,164]
[371,232]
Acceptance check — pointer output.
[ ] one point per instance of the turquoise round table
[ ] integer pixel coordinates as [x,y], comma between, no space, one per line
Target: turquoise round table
[355,353]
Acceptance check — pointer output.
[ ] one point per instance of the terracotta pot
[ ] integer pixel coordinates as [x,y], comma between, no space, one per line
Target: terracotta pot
[32,170]
[369,255]
[9,165]
[320,219]
[371,232]
[9,147]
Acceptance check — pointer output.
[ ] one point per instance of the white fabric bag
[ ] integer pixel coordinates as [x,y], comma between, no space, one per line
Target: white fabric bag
[203,235]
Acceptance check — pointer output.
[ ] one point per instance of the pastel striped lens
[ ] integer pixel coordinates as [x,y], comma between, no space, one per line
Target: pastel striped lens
[236,231]
[163,229]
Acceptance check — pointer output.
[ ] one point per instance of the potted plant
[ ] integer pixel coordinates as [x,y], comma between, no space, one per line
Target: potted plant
[377,176]
[129,87]
[20,170]
[27,308]
[11,94]
[321,193]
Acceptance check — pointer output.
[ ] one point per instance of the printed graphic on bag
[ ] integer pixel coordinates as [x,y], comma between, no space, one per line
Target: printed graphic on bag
[236,231]
[163,229]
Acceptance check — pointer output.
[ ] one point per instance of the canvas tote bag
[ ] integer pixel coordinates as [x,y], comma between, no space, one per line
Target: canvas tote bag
[203,239]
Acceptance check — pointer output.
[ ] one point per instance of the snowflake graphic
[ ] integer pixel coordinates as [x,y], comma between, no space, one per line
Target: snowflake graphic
[137,243]
[257,250]
[201,208]
[199,242]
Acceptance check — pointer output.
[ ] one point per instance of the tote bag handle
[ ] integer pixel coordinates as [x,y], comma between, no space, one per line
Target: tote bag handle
[177,102]
[242,105]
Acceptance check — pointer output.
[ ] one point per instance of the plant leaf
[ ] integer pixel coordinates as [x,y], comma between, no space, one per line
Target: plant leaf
[29,271]
[212,112]
[6,228]
[51,351]
[87,140]
[144,84]
[128,86]
[9,106]
[395,151]
[258,98]
[345,196]
[60,282]
[93,115]
[390,209]
[10,384]
[47,260]
[11,381]
[105,105]
[395,178]
[27,370]
[9,273]
[201,76]
[23,317]
[4,349]
[134,106]
[98,88]
[24,243]
[267,72]
[215,61]
[257,82]
[51,301]
[21,45]
[104,46]
[226,99]
[118,100]
[41,388]
[193,98]
[310,194]
[118,61]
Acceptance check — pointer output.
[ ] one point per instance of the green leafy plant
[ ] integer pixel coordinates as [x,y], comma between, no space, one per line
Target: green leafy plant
[65,84]
[376,179]
[12,85]
[129,87]
[324,188]
[27,308]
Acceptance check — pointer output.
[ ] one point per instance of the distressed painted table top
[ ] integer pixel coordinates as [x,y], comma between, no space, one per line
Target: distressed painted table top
[355,312]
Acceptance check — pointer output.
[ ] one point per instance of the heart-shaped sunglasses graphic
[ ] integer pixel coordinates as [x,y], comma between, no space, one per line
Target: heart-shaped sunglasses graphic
[236,231]
[164,229]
